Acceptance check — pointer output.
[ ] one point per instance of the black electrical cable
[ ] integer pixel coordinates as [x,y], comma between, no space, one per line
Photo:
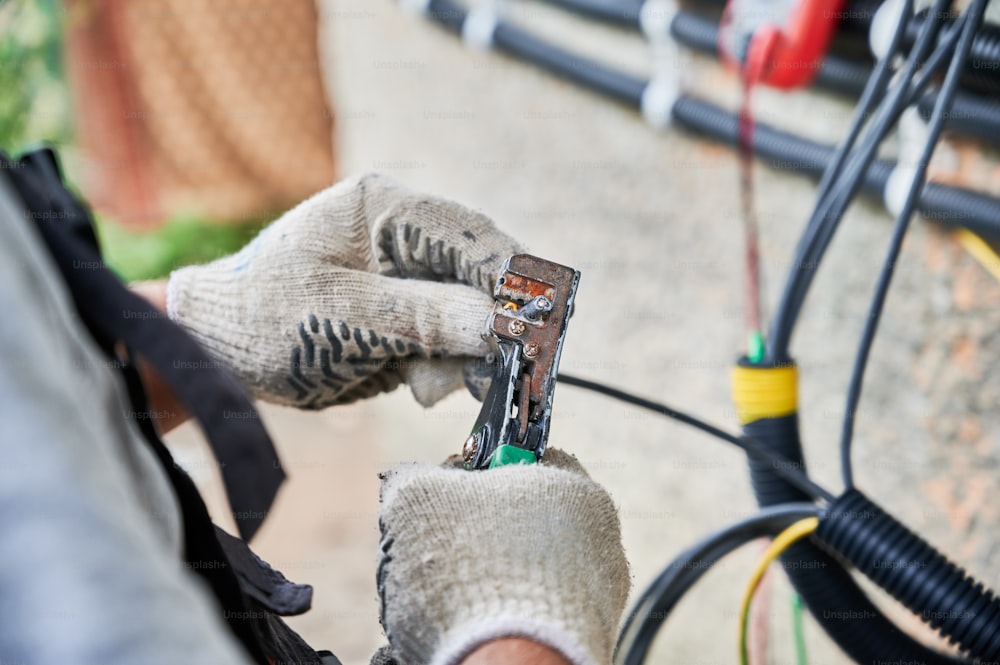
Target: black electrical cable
[980,69]
[829,591]
[783,467]
[833,594]
[971,116]
[654,606]
[617,12]
[871,95]
[973,18]
[830,207]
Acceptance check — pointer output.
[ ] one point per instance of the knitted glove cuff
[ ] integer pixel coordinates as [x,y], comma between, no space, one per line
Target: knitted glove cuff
[520,550]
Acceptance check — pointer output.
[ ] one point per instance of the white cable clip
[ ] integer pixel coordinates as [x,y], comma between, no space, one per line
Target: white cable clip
[655,17]
[657,103]
[883,27]
[663,89]
[479,26]
[912,134]
[897,187]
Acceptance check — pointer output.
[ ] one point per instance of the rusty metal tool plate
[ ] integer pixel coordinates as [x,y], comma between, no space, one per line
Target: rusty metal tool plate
[533,302]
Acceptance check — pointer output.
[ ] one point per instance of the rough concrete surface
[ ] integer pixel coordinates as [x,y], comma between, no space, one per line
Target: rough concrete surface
[652,221]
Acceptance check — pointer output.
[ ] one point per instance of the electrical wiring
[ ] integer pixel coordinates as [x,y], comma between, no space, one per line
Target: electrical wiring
[659,599]
[759,621]
[950,206]
[859,170]
[798,630]
[750,74]
[782,542]
[975,116]
[787,311]
[973,18]
[843,186]
[981,251]
[824,221]
[783,467]
[834,199]
[874,89]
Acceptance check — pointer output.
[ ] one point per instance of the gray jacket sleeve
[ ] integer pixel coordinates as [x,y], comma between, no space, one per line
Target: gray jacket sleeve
[90,534]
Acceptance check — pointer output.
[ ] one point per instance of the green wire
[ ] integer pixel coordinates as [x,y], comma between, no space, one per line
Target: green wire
[797,629]
[755,347]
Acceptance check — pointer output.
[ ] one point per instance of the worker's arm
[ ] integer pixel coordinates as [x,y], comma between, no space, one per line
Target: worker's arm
[166,410]
[514,650]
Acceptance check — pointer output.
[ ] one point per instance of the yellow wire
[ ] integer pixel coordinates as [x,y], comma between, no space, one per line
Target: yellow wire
[782,542]
[981,251]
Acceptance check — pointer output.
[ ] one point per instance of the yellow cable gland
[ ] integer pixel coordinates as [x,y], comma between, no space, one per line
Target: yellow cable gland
[764,392]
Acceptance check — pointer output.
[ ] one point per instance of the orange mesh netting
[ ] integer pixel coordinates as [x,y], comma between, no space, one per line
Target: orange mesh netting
[207,107]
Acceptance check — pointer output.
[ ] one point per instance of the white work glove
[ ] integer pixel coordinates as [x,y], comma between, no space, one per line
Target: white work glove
[363,286]
[531,551]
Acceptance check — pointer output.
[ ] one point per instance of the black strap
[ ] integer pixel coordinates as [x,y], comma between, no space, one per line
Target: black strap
[260,581]
[203,554]
[249,464]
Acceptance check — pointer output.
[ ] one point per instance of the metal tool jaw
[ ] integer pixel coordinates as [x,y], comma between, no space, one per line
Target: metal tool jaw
[533,302]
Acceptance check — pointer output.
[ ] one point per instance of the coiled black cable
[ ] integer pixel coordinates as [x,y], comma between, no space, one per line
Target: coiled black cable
[983,68]
[656,603]
[914,573]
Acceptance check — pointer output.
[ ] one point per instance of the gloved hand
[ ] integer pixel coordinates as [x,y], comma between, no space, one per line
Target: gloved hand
[362,286]
[530,551]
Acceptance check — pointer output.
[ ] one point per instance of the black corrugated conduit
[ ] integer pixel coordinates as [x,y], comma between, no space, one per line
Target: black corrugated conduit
[982,70]
[971,115]
[951,206]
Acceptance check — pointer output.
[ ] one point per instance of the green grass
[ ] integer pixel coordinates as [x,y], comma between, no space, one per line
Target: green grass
[34,104]
[140,255]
